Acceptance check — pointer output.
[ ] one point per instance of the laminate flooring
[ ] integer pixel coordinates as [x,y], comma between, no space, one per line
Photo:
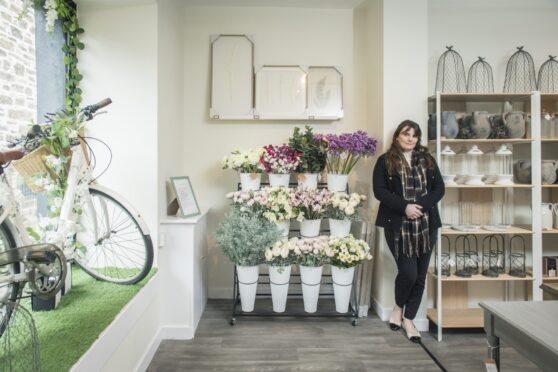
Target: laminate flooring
[319,344]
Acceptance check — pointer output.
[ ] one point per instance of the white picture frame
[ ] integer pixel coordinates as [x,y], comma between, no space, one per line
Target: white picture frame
[325,92]
[232,77]
[280,92]
[187,202]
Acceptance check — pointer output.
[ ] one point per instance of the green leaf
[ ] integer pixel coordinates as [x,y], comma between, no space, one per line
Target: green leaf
[80,45]
[33,233]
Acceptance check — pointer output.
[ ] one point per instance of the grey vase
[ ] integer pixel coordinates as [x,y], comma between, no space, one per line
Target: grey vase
[432,127]
[522,171]
[449,125]
[515,123]
[480,124]
[548,172]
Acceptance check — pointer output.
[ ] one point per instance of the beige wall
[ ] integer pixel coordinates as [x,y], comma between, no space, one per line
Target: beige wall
[282,36]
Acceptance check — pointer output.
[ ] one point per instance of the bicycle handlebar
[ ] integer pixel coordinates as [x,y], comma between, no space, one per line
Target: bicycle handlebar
[91,109]
[8,156]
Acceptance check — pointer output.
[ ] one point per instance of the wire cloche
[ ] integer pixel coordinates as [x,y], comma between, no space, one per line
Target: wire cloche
[480,78]
[450,76]
[548,76]
[520,73]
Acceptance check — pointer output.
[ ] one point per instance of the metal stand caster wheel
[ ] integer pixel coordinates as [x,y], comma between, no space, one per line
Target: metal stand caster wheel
[354,322]
[232,321]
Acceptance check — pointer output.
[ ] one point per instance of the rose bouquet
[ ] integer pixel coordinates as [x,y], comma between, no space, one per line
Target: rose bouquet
[343,206]
[281,254]
[244,161]
[276,203]
[347,251]
[310,204]
[345,150]
[280,159]
[311,252]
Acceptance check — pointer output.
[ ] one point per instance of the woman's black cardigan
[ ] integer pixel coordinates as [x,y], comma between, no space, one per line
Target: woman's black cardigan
[389,191]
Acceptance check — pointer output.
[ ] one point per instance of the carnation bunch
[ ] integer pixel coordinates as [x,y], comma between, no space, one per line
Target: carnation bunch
[281,253]
[310,204]
[276,203]
[345,150]
[348,251]
[344,206]
[312,252]
[244,161]
[280,159]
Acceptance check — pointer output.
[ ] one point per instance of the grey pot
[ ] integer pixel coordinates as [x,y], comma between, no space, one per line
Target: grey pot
[548,171]
[480,124]
[432,127]
[522,171]
[449,124]
[515,123]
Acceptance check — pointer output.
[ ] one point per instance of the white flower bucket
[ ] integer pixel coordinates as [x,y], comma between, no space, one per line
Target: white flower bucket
[250,181]
[284,227]
[340,228]
[342,285]
[310,278]
[276,179]
[247,284]
[310,228]
[308,181]
[337,182]
[279,277]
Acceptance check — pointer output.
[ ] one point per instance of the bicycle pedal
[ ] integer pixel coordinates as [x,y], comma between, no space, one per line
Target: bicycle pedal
[43,257]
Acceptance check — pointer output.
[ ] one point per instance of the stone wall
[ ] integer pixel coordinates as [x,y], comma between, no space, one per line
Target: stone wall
[18,92]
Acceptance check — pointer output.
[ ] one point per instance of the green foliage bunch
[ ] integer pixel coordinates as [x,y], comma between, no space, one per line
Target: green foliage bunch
[244,237]
[313,151]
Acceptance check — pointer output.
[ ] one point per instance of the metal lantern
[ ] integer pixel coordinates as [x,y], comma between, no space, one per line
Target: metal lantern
[504,158]
[450,76]
[448,165]
[520,73]
[446,271]
[517,258]
[462,257]
[548,76]
[473,258]
[475,168]
[490,256]
[480,78]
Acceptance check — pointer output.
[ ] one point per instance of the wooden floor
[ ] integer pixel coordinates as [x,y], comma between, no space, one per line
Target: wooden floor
[305,344]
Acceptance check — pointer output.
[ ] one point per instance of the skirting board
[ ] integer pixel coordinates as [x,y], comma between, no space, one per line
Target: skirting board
[103,348]
[385,312]
[164,333]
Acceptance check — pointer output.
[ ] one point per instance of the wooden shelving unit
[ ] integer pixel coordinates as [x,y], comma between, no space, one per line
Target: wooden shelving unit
[481,278]
[451,301]
[552,231]
[514,230]
[547,278]
[458,318]
[553,186]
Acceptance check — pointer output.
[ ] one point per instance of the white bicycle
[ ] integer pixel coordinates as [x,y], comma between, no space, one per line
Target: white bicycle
[114,241]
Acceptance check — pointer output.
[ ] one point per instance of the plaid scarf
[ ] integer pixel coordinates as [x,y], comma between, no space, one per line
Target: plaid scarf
[414,233]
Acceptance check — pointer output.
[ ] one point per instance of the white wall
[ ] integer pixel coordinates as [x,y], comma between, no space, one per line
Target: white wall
[491,29]
[282,36]
[120,61]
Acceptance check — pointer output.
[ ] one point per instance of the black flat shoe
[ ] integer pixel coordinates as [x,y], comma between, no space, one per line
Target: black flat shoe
[394,327]
[414,339]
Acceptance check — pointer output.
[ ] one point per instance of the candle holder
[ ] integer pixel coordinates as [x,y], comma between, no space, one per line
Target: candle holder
[472,263]
[490,256]
[446,269]
[474,159]
[517,258]
[504,158]
[448,165]
[462,257]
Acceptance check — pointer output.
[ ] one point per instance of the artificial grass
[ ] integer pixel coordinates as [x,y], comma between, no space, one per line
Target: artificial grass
[66,333]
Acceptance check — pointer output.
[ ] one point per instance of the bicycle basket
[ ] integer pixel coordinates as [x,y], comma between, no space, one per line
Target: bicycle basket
[19,344]
[31,164]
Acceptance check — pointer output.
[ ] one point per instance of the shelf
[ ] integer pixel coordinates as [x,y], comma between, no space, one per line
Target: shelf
[475,97]
[515,186]
[549,140]
[458,318]
[511,230]
[547,278]
[553,186]
[552,231]
[484,141]
[482,278]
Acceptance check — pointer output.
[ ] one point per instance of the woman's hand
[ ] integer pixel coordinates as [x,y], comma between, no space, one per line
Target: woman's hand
[413,211]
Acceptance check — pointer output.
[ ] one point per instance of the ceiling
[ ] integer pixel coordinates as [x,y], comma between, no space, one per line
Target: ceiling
[323,4]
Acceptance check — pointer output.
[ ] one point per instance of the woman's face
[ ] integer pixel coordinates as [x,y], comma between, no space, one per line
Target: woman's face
[407,139]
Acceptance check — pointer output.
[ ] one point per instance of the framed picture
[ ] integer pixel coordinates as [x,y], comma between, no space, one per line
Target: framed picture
[325,92]
[232,77]
[280,92]
[187,203]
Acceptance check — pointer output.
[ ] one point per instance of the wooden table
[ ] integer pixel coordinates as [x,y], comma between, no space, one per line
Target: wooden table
[530,327]
[550,289]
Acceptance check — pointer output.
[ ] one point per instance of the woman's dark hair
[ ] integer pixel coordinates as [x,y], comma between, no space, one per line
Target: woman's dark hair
[393,154]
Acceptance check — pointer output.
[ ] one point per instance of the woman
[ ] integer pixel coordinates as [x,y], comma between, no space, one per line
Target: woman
[408,184]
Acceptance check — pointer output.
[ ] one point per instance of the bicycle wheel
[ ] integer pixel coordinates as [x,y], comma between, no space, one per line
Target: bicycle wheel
[112,246]
[8,291]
